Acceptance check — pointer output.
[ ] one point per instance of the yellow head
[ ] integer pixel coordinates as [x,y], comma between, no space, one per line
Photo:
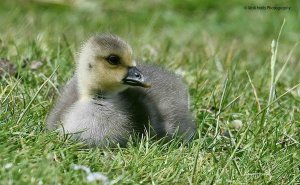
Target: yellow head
[105,65]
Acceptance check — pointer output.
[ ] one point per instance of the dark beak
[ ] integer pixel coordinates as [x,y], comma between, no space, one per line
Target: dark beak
[135,78]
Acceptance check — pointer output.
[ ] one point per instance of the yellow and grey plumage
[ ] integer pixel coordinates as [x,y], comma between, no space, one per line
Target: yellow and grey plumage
[106,101]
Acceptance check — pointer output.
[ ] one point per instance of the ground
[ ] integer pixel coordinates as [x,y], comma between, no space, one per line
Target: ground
[246,107]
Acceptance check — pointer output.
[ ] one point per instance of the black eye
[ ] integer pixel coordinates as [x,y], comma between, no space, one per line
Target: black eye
[113,59]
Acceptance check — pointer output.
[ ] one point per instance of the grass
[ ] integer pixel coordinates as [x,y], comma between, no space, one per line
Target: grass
[224,53]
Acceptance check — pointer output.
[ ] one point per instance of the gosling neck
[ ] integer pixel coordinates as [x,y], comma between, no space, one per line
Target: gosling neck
[88,91]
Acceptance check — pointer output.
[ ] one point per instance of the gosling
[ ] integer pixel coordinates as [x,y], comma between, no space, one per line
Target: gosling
[108,99]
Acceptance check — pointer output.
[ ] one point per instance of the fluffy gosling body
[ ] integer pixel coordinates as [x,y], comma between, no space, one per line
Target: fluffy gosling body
[106,99]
